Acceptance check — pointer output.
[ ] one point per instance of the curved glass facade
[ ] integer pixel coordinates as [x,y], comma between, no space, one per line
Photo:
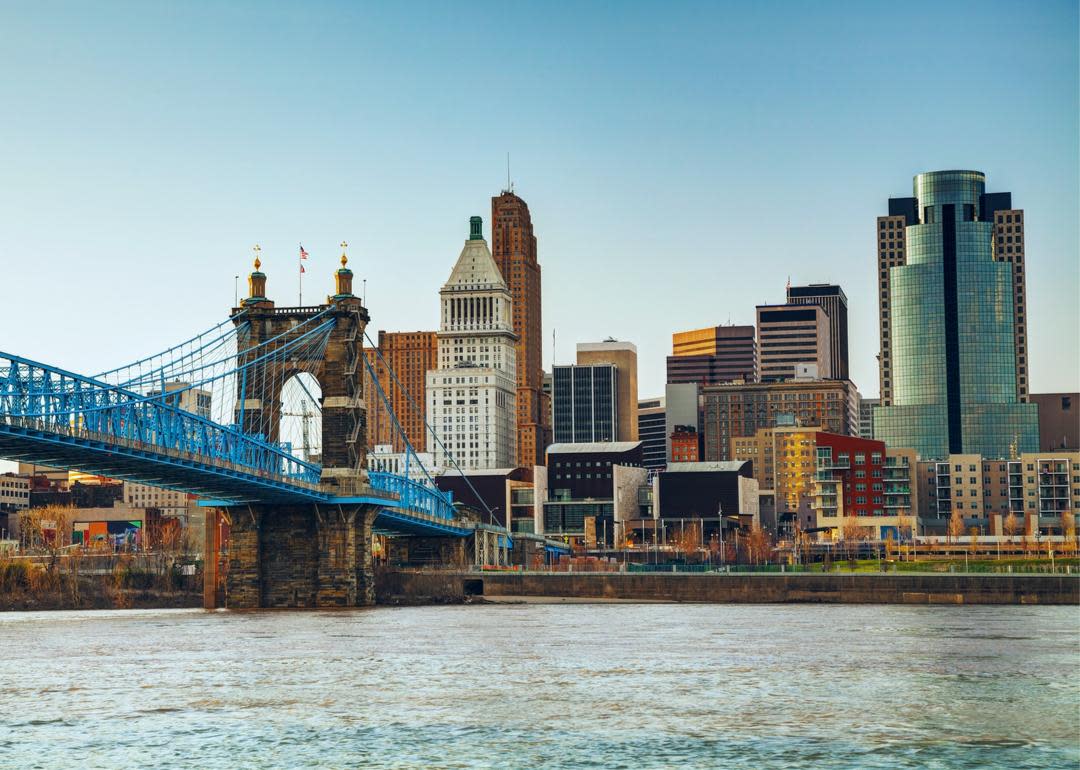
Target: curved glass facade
[954,365]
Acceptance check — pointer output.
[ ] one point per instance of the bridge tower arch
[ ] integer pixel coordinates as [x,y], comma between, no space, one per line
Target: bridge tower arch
[337,367]
[304,555]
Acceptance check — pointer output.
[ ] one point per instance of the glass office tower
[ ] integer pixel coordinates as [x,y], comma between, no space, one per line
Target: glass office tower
[584,403]
[949,342]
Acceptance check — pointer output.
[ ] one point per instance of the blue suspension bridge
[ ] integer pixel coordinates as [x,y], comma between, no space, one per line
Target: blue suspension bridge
[205,416]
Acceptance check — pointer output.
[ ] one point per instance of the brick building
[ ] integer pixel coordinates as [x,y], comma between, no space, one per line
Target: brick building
[685,444]
[712,355]
[411,355]
[513,246]
[741,409]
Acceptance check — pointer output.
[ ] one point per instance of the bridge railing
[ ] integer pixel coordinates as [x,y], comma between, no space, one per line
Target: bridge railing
[39,397]
[414,495]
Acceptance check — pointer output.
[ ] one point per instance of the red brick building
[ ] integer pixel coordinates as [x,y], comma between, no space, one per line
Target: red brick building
[849,478]
[685,445]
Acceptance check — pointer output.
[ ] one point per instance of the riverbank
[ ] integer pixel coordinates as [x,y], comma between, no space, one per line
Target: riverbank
[25,601]
[27,587]
[419,587]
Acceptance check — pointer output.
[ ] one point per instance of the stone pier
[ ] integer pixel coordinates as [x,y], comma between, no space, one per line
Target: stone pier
[300,556]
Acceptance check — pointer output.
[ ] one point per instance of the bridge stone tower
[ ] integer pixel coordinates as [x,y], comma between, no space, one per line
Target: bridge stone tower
[337,367]
[302,555]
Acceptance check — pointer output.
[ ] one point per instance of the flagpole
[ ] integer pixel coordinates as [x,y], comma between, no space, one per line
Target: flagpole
[300,278]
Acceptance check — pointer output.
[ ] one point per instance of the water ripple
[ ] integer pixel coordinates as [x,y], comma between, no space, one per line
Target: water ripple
[544,686]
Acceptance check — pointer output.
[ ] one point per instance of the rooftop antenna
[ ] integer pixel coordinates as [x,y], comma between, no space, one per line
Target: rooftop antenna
[509,184]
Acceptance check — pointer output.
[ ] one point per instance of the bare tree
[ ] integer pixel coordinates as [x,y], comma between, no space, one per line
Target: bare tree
[47,530]
[904,531]
[956,526]
[973,546]
[1010,526]
[890,545]
[759,543]
[851,533]
[687,540]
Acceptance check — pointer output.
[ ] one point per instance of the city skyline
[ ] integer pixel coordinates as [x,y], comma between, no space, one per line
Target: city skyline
[627,218]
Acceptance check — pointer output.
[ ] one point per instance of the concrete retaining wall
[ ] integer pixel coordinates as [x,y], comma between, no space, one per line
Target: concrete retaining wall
[428,587]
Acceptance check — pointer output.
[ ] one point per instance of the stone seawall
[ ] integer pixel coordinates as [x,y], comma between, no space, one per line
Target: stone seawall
[405,587]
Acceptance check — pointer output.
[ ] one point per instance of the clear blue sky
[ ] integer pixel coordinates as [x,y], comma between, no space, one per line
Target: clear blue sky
[681,160]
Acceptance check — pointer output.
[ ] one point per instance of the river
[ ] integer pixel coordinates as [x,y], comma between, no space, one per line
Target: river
[544,686]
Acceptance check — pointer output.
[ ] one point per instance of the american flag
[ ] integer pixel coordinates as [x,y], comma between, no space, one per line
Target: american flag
[303,254]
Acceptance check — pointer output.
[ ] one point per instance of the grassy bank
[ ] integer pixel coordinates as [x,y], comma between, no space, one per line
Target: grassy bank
[66,584]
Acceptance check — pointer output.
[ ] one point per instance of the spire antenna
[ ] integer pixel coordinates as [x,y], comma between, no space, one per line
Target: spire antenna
[509,183]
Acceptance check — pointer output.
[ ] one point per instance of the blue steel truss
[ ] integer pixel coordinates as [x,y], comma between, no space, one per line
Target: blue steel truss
[53,417]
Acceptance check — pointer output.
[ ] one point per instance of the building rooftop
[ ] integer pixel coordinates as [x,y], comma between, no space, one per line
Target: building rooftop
[704,467]
[594,447]
[477,472]
[606,345]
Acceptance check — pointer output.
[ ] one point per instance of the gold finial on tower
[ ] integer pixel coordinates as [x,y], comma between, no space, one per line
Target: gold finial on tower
[256,281]
[343,276]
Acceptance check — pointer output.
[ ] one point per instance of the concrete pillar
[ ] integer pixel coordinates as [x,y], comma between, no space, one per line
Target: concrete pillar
[1031,523]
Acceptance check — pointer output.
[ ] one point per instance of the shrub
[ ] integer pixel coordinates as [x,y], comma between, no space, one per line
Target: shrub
[14,575]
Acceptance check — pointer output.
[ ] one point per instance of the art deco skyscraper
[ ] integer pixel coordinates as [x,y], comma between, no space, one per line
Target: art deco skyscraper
[954,373]
[471,395]
[513,246]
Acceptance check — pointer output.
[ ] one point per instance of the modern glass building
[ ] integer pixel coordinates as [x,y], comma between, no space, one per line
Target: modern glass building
[584,403]
[949,344]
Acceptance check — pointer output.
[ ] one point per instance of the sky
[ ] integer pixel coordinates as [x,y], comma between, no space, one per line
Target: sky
[681,161]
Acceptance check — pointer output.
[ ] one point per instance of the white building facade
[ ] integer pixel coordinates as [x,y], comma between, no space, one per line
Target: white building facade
[420,466]
[472,396]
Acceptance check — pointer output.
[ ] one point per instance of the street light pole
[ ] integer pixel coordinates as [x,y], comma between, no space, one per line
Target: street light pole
[720,516]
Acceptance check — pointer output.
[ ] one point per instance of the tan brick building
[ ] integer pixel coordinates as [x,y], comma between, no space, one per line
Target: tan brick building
[1043,484]
[623,356]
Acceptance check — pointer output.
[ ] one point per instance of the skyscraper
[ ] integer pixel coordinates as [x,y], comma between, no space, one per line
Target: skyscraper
[513,246]
[712,355]
[585,404]
[471,396]
[411,355]
[622,355]
[832,299]
[952,308]
[789,335]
